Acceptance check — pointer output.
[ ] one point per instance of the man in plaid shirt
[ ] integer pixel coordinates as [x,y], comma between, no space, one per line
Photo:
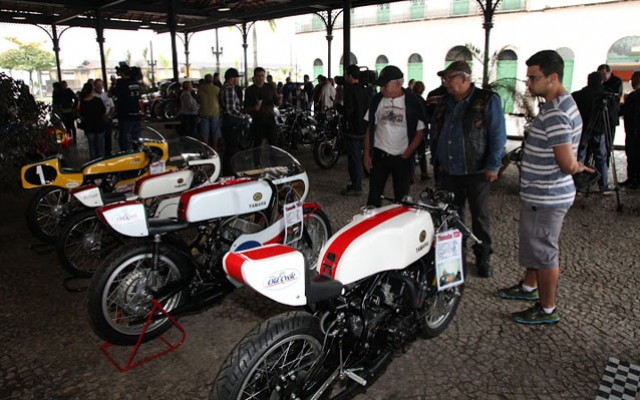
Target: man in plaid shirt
[232,118]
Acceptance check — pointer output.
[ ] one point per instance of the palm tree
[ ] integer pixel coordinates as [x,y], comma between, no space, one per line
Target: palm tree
[272,26]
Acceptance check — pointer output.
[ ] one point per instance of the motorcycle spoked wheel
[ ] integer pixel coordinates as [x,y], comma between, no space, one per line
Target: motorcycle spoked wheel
[317,230]
[46,212]
[272,361]
[441,308]
[120,291]
[84,243]
[325,152]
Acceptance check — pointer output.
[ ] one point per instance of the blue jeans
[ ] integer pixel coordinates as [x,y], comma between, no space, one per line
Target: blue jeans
[96,144]
[210,128]
[129,132]
[598,147]
[355,147]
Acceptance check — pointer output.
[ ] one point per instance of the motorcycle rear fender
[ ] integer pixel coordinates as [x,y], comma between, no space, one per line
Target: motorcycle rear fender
[224,199]
[166,183]
[275,271]
[168,208]
[49,173]
[388,238]
[128,218]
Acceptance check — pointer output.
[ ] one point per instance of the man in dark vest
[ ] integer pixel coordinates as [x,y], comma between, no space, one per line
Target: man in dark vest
[468,135]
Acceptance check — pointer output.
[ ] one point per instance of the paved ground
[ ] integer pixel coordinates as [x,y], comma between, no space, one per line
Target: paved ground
[48,351]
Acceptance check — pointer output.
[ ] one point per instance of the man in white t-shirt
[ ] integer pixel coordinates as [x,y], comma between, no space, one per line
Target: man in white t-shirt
[396,126]
[109,106]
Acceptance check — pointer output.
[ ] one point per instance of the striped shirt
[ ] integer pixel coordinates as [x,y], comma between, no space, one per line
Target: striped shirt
[542,182]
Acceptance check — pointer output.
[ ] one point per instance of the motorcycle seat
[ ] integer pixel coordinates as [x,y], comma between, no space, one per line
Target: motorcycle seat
[110,198]
[70,170]
[320,287]
[165,225]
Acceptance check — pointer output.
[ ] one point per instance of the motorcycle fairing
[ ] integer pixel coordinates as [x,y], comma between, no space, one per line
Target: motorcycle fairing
[166,183]
[298,180]
[377,240]
[275,271]
[128,218]
[223,199]
[49,172]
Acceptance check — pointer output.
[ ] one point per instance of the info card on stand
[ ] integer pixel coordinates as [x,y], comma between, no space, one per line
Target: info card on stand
[449,271]
[293,222]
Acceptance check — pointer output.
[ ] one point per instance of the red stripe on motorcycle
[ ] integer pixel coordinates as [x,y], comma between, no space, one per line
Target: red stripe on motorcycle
[260,253]
[233,263]
[340,244]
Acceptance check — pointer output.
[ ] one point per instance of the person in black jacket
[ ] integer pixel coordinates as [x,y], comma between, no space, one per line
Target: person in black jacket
[630,111]
[127,94]
[92,112]
[356,104]
[591,101]
[396,127]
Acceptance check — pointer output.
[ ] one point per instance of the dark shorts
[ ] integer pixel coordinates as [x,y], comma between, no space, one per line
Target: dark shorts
[539,234]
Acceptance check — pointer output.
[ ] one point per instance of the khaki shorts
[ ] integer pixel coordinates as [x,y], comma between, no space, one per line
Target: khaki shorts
[539,234]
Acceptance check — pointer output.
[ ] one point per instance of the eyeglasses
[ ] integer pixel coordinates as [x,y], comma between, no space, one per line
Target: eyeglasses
[449,78]
[534,78]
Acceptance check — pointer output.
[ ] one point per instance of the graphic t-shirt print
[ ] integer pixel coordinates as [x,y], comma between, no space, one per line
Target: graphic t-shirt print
[392,114]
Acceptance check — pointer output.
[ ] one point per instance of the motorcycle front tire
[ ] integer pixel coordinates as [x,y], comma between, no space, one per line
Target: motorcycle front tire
[45,212]
[273,350]
[442,308]
[325,153]
[119,294]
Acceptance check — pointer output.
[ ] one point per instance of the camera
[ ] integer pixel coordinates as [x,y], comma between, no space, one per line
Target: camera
[366,77]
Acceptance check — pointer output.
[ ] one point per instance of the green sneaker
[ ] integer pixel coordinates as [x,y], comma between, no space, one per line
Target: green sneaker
[516,292]
[536,315]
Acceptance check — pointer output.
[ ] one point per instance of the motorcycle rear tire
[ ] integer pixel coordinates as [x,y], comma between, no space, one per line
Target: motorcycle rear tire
[298,332]
[84,242]
[325,153]
[108,291]
[317,220]
[45,213]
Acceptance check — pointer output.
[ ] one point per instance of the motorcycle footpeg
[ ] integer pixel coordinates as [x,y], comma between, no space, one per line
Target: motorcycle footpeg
[352,375]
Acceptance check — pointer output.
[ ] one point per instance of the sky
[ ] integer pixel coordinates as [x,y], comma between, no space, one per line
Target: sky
[79,44]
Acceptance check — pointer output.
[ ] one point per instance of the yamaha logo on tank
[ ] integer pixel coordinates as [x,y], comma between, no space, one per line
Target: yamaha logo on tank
[257,196]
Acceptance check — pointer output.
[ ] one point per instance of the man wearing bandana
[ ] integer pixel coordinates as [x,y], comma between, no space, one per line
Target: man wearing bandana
[468,135]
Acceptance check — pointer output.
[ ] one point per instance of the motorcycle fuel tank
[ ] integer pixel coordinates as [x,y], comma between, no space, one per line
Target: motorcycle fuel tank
[388,238]
[223,199]
[166,183]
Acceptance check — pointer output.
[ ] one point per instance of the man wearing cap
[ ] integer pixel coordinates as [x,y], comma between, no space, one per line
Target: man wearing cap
[233,119]
[468,135]
[396,122]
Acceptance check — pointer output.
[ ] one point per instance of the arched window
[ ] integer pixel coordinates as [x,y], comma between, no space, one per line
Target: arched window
[625,50]
[415,67]
[318,68]
[458,53]
[352,60]
[568,57]
[505,84]
[381,62]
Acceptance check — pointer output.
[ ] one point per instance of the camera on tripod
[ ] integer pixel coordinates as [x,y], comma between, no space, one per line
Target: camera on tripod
[366,77]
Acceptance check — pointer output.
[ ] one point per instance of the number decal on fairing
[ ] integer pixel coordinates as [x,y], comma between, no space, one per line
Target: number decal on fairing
[40,174]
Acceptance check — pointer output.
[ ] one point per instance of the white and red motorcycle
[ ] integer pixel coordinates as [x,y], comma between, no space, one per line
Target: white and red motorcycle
[391,275]
[262,204]
[84,241]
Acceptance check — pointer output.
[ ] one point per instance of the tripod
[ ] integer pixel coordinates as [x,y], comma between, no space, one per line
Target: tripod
[602,119]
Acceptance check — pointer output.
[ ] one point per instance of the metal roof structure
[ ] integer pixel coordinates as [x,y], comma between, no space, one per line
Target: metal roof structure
[162,15]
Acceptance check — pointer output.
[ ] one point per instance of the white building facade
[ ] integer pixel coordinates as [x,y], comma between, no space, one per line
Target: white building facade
[421,37]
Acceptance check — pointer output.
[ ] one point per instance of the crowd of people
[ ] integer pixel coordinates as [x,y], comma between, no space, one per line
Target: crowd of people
[389,130]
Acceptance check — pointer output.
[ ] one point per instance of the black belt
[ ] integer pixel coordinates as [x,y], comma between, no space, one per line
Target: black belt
[383,154]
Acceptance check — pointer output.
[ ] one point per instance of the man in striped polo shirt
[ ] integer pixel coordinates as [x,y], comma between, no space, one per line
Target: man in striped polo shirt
[546,188]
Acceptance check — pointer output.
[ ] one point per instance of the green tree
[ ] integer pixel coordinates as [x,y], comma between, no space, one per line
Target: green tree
[27,57]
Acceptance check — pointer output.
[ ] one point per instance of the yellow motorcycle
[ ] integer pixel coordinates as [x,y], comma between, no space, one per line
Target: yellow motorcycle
[51,205]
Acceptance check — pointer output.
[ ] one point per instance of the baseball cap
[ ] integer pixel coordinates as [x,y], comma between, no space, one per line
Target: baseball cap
[456,66]
[388,74]
[231,73]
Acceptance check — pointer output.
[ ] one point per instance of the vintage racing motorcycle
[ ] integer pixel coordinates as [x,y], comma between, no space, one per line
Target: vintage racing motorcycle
[49,207]
[84,241]
[376,288]
[243,212]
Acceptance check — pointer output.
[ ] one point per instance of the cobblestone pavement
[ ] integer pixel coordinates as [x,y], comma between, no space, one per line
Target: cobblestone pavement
[48,351]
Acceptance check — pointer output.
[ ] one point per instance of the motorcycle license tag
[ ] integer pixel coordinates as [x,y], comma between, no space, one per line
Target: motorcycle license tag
[157,167]
[293,222]
[449,271]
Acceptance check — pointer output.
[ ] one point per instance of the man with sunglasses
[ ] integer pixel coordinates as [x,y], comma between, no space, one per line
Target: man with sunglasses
[468,135]
[546,188]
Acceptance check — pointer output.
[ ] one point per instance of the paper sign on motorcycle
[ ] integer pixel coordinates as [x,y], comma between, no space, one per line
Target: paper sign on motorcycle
[293,222]
[449,271]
